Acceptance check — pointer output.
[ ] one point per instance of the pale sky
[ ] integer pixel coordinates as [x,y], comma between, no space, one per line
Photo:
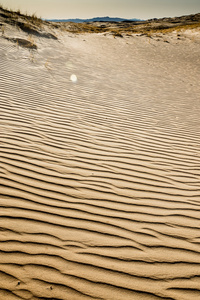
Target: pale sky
[140,9]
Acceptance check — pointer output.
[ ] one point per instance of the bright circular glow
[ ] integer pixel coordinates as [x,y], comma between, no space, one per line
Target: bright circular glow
[73,78]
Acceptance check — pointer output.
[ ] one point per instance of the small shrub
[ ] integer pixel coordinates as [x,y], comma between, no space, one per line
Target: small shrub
[117,34]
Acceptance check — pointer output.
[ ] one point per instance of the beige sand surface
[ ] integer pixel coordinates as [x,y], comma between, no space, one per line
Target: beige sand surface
[100,178]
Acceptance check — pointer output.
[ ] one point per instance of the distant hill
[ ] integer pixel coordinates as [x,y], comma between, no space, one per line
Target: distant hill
[99,19]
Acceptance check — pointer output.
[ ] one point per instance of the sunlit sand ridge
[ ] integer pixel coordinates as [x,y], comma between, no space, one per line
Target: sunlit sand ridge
[100,166]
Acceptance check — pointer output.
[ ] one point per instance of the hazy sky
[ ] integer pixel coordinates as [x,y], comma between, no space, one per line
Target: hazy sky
[141,9]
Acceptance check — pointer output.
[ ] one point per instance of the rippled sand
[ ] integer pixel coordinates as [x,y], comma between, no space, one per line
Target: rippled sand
[100,176]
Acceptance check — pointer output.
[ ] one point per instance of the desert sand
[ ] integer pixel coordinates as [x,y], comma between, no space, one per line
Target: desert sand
[100,166]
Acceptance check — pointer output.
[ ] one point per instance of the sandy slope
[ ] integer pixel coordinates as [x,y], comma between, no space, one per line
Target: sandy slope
[100,179]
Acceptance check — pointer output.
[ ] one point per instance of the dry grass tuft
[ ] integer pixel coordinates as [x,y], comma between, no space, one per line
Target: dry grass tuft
[83,28]
[29,44]
[29,24]
[164,29]
[17,15]
[117,33]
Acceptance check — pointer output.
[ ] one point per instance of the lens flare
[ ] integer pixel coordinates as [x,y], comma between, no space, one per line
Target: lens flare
[73,78]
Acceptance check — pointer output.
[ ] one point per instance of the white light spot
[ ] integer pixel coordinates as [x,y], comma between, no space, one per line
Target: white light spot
[73,78]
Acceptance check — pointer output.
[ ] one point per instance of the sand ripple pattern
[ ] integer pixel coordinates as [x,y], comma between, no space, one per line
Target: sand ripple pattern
[100,179]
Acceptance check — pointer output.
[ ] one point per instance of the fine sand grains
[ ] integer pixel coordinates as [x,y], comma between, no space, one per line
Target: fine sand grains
[100,176]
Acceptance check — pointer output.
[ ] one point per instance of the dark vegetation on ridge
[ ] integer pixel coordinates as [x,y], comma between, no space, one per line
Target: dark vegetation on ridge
[139,27]
[30,24]
[37,27]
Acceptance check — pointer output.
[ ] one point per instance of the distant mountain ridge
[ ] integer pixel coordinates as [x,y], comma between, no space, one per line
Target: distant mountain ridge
[98,19]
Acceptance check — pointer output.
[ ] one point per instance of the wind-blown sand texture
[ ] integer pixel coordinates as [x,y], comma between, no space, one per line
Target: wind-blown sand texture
[100,178]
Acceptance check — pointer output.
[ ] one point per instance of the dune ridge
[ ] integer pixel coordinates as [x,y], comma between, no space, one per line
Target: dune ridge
[100,178]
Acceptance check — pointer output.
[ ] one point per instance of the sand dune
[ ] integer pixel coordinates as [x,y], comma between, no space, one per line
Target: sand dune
[100,178]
